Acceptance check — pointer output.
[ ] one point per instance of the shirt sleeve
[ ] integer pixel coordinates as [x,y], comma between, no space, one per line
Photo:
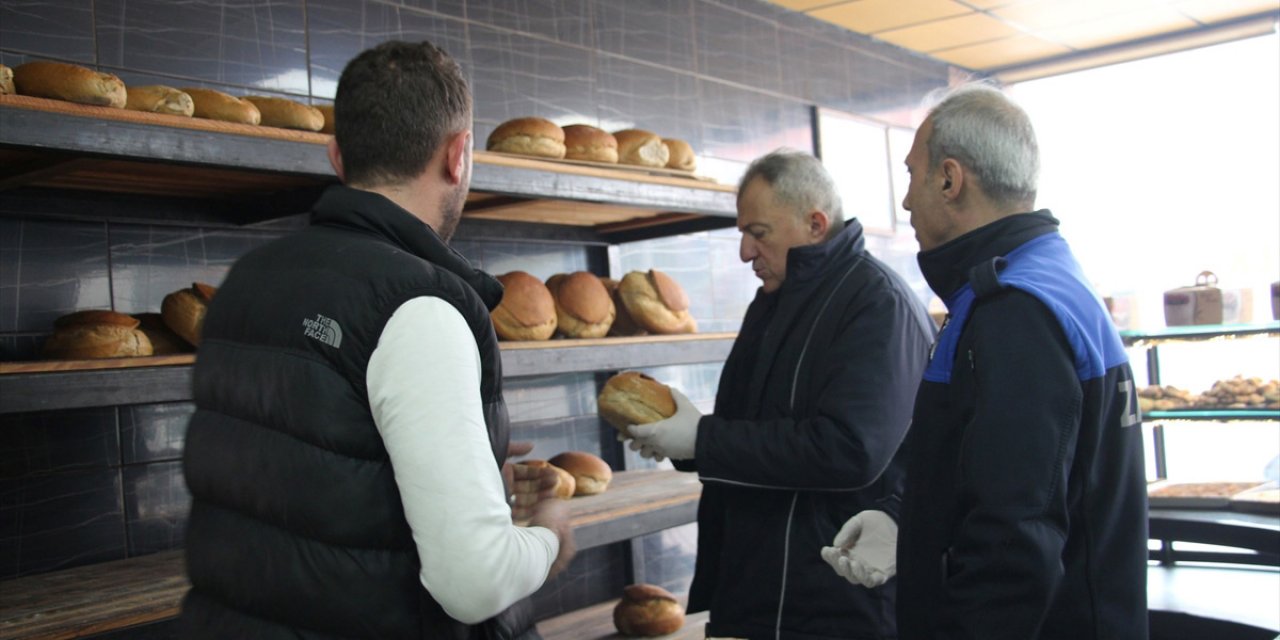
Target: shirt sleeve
[424,392]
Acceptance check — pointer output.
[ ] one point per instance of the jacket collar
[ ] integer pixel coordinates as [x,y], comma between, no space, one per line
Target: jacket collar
[946,267]
[810,263]
[374,214]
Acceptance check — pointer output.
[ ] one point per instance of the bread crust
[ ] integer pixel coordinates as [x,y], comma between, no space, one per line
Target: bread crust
[585,142]
[216,105]
[287,114]
[641,148]
[583,306]
[528,136]
[527,311]
[590,473]
[69,82]
[623,323]
[96,334]
[631,398]
[6,81]
[680,155]
[657,302]
[647,610]
[95,317]
[157,98]
[326,110]
[183,311]
[163,340]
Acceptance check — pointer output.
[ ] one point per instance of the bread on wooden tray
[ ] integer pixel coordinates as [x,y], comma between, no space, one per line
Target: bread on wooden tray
[647,610]
[94,334]
[527,311]
[6,81]
[623,323]
[184,310]
[157,98]
[163,340]
[216,105]
[287,114]
[591,474]
[531,136]
[583,306]
[326,110]
[585,142]
[70,83]
[657,302]
[680,155]
[641,148]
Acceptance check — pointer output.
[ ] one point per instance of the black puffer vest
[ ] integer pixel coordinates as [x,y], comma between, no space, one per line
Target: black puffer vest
[296,527]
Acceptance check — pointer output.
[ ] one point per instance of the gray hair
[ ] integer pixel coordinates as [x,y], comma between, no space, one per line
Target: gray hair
[799,182]
[983,129]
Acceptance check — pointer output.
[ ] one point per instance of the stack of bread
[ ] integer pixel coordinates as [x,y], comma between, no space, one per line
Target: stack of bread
[578,473]
[542,138]
[97,333]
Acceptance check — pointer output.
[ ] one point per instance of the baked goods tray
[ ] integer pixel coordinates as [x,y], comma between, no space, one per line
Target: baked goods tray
[494,157]
[1264,499]
[1195,495]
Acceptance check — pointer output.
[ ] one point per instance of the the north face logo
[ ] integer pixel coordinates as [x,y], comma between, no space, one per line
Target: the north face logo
[326,330]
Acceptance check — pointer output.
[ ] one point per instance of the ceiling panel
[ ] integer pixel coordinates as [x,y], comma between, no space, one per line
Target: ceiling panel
[872,16]
[1124,27]
[1048,14]
[804,5]
[1214,10]
[1015,50]
[949,33]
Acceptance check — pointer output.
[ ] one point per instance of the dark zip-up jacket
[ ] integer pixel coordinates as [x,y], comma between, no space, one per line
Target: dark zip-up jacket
[296,526]
[1025,513]
[814,400]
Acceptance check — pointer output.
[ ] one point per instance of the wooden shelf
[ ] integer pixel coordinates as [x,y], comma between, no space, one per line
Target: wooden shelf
[596,623]
[76,384]
[47,144]
[113,595]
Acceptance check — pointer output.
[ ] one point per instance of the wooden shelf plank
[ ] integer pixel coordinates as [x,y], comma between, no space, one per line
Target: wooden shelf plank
[596,623]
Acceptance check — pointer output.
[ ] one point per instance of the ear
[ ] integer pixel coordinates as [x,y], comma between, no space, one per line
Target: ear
[335,159]
[819,223]
[455,158]
[952,174]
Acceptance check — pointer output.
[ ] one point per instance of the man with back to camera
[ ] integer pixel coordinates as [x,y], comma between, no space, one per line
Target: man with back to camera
[814,400]
[344,459]
[1025,512]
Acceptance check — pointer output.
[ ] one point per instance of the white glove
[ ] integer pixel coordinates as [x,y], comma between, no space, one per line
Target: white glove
[865,551]
[675,438]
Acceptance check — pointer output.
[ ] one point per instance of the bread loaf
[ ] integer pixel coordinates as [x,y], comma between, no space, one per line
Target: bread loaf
[585,142]
[6,81]
[96,334]
[590,473]
[527,311]
[286,114]
[326,110]
[623,323]
[631,398]
[583,306]
[642,148]
[163,340]
[657,302]
[680,155]
[528,136]
[565,484]
[157,98]
[184,310]
[69,82]
[647,610]
[216,105]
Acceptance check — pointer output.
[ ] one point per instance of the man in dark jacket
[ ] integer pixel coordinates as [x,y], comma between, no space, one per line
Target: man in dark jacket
[814,400]
[345,456]
[1025,512]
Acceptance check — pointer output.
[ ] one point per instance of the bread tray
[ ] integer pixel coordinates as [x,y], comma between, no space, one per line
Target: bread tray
[1214,495]
[1264,499]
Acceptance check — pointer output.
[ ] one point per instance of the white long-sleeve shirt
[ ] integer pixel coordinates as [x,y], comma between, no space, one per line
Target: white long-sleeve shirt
[424,392]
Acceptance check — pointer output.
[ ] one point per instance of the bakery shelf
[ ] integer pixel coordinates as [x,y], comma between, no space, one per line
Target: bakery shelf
[77,384]
[97,598]
[1199,332]
[46,144]
[1214,415]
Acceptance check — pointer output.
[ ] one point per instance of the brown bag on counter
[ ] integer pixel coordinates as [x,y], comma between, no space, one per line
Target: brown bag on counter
[1200,304]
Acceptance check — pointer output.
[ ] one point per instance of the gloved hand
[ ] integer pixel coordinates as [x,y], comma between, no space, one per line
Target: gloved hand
[675,438]
[865,551]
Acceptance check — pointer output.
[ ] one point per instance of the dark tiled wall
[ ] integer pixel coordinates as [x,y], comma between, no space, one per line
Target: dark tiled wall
[736,78]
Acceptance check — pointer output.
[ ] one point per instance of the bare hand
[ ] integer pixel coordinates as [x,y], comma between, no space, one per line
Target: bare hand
[554,515]
[530,486]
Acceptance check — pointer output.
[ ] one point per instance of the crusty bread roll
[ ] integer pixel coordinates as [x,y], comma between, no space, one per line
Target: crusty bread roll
[528,136]
[6,81]
[157,98]
[623,323]
[631,398]
[69,82]
[163,340]
[657,302]
[647,610]
[640,147]
[583,306]
[585,142]
[96,334]
[527,311]
[216,105]
[680,155]
[326,110]
[565,483]
[183,311]
[287,114]
[591,474]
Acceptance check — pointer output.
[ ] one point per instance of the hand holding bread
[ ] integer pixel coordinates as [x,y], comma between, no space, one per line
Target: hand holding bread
[632,397]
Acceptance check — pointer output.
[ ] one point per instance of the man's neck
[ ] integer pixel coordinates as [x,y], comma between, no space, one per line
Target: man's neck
[412,197]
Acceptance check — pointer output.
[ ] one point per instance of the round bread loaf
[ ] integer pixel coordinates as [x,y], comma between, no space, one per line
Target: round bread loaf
[583,306]
[529,137]
[326,110]
[680,155]
[647,610]
[657,302]
[591,474]
[631,398]
[216,105]
[6,81]
[527,311]
[163,340]
[96,334]
[623,323]
[157,98]
[287,114]
[183,311]
[565,483]
[69,82]
[641,148]
[585,142]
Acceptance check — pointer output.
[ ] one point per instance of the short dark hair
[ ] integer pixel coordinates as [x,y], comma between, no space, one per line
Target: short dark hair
[396,104]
